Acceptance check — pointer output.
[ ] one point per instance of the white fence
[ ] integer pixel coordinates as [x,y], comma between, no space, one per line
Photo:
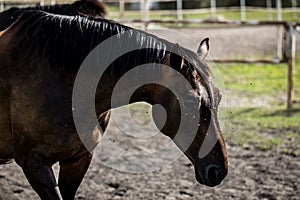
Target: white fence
[145,7]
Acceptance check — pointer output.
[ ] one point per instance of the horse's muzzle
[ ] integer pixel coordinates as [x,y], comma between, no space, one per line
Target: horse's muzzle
[213,176]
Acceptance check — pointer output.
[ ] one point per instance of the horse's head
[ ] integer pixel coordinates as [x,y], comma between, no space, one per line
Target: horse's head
[206,149]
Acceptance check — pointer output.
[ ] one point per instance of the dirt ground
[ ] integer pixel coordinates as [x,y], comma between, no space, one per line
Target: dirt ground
[252,174]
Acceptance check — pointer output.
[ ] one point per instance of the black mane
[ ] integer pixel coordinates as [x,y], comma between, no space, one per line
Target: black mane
[57,35]
[67,40]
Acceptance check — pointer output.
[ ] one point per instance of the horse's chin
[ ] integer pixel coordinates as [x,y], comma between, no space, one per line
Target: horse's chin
[204,181]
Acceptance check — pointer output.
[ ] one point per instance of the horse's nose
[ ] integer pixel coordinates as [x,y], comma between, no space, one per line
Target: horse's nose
[215,174]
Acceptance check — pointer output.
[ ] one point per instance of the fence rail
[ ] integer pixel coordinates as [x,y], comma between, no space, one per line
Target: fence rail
[208,21]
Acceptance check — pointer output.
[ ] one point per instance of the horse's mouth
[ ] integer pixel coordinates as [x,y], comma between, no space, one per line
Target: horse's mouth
[204,181]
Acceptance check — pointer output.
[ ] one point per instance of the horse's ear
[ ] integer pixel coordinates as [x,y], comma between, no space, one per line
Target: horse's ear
[174,58]
[203,48]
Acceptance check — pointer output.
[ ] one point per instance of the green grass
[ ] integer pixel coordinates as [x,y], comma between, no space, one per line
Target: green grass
[263,128]
[255,80]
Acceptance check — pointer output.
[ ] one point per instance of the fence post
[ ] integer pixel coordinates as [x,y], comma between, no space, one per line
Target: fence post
[142,8]
[42,2]
[279,29]
[294,7]
[179,10]
[1,5]
[279,10]
[146,9]
[53,2]
[269,8]
[243,10]
[144,12]
[213,9]
[291,66]
[122,9]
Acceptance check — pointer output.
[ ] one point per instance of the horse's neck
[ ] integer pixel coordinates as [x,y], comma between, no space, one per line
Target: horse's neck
[126,86]
[140,65]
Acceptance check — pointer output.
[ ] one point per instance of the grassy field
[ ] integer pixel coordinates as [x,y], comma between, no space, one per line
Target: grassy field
[268,127]
[254,80]
[264,128]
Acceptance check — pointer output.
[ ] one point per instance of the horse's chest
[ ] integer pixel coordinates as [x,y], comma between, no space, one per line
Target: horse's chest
[5,120]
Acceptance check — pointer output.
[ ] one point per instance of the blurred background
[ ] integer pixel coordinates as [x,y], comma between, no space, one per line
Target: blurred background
[187,9]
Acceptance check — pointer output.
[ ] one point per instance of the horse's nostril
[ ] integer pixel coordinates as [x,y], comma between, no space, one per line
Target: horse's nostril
[215,174]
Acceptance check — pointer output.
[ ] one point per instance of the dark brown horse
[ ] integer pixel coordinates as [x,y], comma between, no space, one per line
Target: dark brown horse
[41,55]
[93,8]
